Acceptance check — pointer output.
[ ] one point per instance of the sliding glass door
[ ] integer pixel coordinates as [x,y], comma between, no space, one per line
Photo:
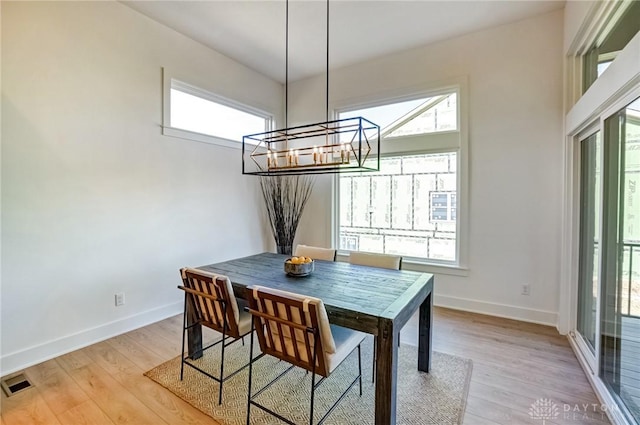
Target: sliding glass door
[620,293]
[590,188]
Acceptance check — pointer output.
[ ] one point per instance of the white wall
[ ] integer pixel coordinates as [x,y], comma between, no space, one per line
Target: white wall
[515,138]
[94,199]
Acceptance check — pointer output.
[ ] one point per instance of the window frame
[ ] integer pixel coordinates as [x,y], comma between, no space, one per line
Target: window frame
[171,82]
[441,142]
[611,92]
[583,55]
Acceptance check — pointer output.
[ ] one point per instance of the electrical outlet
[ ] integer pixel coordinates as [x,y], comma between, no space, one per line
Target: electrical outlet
[119,299]
[526,290]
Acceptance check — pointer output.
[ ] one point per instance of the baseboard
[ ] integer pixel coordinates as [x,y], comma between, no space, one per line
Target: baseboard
[19,360]
[615,415]
[541,317]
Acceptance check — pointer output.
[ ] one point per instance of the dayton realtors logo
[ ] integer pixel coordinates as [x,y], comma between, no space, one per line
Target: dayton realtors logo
[544,409]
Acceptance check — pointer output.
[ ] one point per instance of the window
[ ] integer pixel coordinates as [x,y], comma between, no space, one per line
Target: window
[623,27]
[200,115]
[600,298]
[620,284]
[407,208]
[410,207]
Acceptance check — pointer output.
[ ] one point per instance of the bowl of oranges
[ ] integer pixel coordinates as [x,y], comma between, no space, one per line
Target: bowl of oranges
[298,266]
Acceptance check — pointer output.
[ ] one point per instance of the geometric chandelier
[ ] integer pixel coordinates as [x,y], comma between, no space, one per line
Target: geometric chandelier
[345,145]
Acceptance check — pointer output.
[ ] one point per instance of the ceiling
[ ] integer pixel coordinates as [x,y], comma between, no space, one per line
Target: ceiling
[252,32]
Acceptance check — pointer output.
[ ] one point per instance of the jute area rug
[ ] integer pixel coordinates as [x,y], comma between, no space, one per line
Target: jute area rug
[438,397]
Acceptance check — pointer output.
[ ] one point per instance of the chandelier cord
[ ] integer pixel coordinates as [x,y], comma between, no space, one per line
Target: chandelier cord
[327,97]
[286,67]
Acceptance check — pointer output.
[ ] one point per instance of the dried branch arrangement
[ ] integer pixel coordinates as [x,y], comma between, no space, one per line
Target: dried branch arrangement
[285,198]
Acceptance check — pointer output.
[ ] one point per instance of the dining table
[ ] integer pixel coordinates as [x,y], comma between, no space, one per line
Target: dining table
[374,300]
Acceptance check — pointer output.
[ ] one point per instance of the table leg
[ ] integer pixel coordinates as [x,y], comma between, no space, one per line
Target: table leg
[386,373]
[424,334]
[194,334]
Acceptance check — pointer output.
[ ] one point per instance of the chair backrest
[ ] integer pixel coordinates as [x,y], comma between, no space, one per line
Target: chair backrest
[385,261]
[211,295]
[291,326]
[316,253]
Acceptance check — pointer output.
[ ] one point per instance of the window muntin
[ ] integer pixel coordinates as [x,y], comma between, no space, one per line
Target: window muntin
[419,116]
[199,111]
[437,114]
[408,208]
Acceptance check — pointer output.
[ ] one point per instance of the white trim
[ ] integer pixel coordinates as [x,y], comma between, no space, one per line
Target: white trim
[442,141]
[19,360]
[604,396]
[200,137]
[434,268]
[621,76]
[171,81]
[420,266]
[403,94]
[600,17]
[613,90]
[541,317]
[608,57]
[585,350]
[567,318]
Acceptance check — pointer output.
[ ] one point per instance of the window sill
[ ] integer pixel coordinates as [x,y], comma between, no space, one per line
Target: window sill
[200,137]
[421,266]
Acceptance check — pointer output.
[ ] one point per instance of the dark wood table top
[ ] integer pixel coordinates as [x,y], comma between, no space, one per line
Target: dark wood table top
[354,296]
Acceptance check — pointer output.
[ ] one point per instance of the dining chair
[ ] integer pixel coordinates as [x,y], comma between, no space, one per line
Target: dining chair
[384,261]
[316,253]
[295,328]
[213,305]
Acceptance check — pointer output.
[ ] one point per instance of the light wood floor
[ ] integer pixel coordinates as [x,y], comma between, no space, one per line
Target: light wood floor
[514,364]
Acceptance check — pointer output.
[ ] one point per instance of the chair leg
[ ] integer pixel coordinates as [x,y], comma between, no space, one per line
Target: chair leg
[313,393]
[360,368]
[184,330]
[221,370]
[313,377]
[373,367]
[250,375]
[224,337]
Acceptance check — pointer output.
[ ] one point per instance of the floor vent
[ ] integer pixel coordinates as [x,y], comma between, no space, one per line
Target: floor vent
[15,383]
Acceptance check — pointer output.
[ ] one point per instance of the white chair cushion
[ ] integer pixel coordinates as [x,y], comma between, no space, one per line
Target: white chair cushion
[384,261]
[346,340]
[316,253]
